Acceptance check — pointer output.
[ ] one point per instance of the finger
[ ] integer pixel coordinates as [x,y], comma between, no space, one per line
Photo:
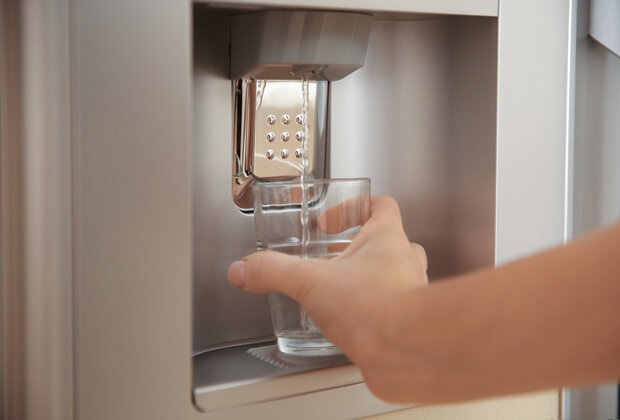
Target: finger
[419,251]
[269,271]
[337,247]
[384,211]
[382,228]
[349,213]
[382,208]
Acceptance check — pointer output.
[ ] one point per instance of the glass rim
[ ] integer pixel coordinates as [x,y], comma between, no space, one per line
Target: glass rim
[313,181]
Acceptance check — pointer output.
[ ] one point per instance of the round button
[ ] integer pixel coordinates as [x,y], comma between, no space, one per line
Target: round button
[299,119]
[284,153]
[271,136]
[299,135]
[270,154]
[271,119]
[298,153]
[286,119]
[285,136]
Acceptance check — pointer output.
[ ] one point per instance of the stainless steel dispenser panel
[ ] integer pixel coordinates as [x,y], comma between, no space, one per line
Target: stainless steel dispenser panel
[221,233]
[419,119]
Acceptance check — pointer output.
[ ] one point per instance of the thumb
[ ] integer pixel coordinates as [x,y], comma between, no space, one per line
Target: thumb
[269,271]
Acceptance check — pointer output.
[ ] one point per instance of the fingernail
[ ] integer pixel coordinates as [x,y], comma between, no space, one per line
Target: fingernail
[236,274]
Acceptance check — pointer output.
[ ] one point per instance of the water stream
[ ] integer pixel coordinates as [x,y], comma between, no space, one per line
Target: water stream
[306,322]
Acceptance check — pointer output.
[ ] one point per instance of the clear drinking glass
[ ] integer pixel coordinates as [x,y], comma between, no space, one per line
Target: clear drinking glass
[315,219]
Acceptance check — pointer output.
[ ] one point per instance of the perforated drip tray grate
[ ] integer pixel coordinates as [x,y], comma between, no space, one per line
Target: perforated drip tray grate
[270,354]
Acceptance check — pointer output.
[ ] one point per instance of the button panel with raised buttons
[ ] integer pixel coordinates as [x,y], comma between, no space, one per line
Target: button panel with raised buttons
[279,128]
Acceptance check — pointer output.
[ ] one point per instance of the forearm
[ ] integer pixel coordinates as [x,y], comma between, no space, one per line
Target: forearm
[543,321]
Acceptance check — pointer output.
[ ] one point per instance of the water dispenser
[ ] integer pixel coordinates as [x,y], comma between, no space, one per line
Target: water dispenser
[389,98]
[131,137]
[271,53]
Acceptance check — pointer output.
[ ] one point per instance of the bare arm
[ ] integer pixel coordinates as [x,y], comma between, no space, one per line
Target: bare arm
[546,321]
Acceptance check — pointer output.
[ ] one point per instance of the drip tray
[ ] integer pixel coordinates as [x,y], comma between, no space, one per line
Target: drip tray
[271,354]
[250,374]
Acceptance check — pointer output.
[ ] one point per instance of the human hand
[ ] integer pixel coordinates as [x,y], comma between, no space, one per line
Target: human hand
[450,342]
[346,296]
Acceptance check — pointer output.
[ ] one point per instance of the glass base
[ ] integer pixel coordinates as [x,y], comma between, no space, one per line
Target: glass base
[307,347]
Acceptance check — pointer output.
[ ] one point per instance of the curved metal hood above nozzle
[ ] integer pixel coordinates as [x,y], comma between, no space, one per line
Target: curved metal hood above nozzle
[289,44]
